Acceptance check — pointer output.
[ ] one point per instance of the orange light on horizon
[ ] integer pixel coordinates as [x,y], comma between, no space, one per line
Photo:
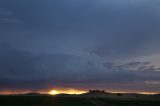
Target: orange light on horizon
[146,93]
[53,92]
[66,91]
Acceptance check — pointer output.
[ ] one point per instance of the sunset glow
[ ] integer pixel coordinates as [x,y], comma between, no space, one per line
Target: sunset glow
[69,91]
[53,92]
[66,91]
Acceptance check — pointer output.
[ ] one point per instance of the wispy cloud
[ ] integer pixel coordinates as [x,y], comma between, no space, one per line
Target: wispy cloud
[4,13]
[6,17]
[11,21]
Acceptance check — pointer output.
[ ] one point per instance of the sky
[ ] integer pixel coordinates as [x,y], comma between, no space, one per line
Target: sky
[80,44]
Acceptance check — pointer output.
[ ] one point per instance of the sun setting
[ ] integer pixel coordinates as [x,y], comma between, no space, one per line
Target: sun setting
[53,92]
[66,91]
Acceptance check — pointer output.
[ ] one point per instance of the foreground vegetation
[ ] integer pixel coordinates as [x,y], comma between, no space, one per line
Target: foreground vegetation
[70,101]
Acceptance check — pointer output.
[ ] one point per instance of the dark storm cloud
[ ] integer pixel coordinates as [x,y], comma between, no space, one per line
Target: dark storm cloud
[21,70]
[111,27]
[68,42]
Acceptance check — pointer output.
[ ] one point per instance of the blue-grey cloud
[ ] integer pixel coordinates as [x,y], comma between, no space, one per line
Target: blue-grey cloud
[78,41]
[21,69]
[4,13]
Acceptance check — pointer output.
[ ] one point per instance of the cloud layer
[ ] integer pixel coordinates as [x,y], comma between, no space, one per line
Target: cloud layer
[79,43]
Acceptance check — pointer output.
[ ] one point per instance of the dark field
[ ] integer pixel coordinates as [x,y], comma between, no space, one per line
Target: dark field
[70,101]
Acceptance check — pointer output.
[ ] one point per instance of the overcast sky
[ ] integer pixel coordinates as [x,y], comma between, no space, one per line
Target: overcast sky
[83,44]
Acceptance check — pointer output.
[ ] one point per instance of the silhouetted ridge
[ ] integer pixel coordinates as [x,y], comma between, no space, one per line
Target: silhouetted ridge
[95,93]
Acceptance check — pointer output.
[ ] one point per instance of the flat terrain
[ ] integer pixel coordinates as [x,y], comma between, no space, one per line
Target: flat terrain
[70,101]
[43,101]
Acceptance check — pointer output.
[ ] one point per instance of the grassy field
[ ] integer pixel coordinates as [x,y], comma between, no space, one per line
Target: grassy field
[113,102]
[42,101]
[69,101]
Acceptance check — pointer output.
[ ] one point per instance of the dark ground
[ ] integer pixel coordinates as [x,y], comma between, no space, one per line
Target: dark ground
[70,101]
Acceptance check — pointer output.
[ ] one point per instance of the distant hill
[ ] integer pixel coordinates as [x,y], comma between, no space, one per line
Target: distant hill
[65,95]
[95,93]
[156,95]
[33,94]
[99,94]
[103,94]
